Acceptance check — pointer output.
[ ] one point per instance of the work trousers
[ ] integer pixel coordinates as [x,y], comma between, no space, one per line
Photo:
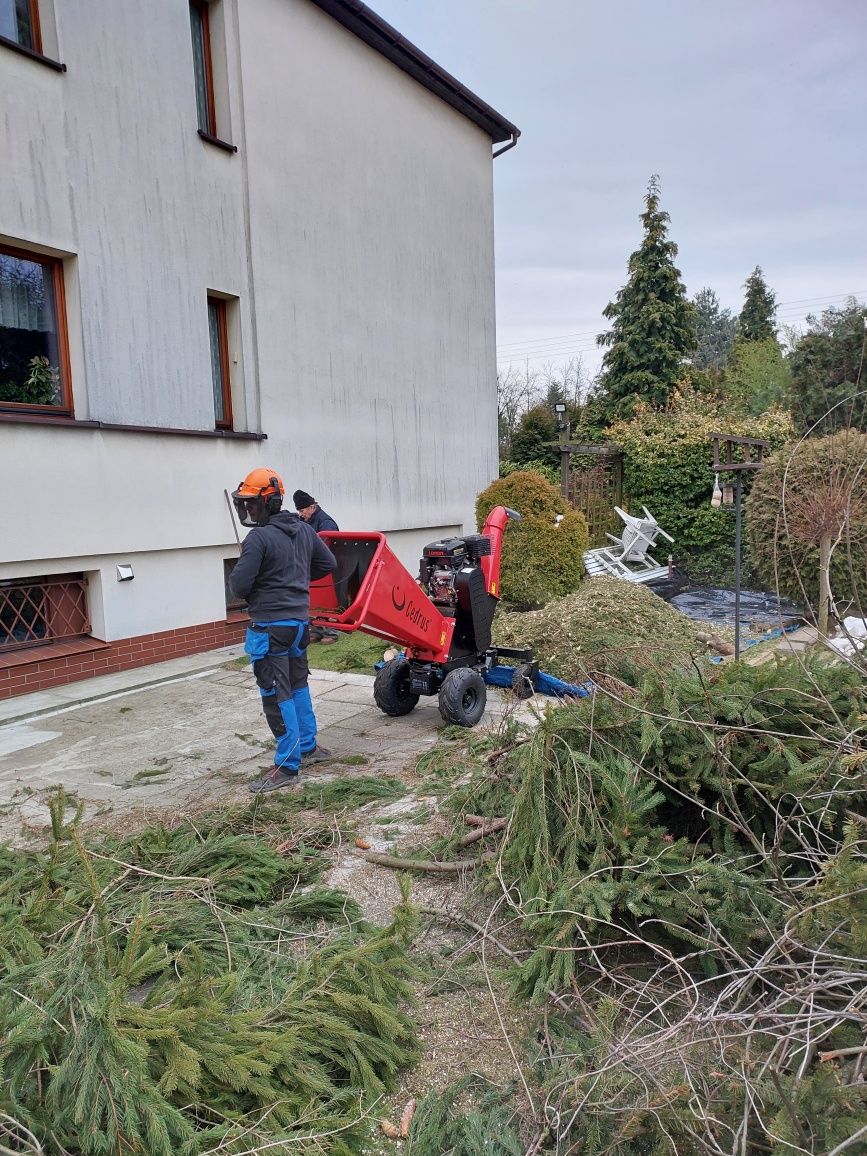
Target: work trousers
[278,651]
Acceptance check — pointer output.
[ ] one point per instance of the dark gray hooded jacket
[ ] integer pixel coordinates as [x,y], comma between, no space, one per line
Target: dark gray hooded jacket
[277,564]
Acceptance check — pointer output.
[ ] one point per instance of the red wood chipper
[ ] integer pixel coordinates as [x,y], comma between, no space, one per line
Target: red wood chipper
[441,621]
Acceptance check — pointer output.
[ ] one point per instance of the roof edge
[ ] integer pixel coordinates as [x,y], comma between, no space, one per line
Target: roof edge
[381,36]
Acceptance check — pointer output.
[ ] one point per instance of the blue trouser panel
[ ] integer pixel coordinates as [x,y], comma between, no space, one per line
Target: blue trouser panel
[278,652]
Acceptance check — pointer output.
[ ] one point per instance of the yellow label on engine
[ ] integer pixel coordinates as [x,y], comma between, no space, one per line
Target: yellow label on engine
[493,588]
[443,639]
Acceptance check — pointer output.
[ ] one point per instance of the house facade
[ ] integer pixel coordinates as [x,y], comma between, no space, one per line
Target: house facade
[232,233]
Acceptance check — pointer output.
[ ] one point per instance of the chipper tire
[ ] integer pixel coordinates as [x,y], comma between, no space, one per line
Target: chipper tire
[462,697]
[391,689]
[522,681]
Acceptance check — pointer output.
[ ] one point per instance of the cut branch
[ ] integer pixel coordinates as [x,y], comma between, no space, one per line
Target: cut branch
[426,864]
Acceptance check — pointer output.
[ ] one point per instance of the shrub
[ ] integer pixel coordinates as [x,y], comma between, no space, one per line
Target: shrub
[541,559]
[668,465]
[549,472]
[813,490]
[525,491]
[531,441]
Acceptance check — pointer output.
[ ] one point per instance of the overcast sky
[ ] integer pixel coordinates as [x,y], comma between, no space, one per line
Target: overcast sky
[753,112]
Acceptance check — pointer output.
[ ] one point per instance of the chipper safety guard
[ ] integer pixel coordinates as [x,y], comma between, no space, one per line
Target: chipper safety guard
[441,621]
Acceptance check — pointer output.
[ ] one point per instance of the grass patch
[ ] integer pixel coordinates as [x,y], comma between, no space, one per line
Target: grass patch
[345,794]
[148,775]
[353,653]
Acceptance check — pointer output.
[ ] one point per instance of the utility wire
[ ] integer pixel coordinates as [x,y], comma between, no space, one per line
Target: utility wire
[539,346]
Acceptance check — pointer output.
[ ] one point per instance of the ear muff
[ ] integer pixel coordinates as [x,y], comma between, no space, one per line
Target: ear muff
[274,502]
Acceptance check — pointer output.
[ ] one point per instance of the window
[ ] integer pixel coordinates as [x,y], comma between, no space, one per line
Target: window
[19,22]
[218,333]
[34,611]
[233,604]
[200,28]
[34,358]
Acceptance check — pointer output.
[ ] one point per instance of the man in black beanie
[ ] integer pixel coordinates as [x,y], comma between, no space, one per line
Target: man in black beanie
[312,513]
[315,517]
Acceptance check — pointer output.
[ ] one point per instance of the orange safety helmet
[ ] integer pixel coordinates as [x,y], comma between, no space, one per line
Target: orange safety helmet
[259,497]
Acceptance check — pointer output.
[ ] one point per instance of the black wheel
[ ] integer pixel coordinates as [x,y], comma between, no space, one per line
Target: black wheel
[522,681]
[391,688]
[462,697]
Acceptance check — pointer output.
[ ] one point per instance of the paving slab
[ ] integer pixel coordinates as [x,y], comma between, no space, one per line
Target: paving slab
[188,731]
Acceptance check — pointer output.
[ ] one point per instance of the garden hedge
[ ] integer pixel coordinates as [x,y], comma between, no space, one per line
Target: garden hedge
[668,467]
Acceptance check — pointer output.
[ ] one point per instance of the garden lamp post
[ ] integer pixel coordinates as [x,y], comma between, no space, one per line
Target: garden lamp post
[750,457]
[563,435]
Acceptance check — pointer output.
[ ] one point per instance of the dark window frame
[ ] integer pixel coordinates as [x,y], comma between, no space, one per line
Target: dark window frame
[203,7]
[65,409]
[35,31]
[220,305]
[233,605]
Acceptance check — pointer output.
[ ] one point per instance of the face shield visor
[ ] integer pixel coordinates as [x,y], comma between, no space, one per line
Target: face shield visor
[251,511]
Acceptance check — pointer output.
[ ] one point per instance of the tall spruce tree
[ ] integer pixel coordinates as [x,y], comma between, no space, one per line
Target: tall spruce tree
[757,318]
[653,329]
[715,329]
[829,371]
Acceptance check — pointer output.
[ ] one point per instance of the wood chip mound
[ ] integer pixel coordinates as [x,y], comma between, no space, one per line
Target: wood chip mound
[607,626]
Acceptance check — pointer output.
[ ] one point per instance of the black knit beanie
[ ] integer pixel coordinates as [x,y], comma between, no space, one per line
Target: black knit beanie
[302,500]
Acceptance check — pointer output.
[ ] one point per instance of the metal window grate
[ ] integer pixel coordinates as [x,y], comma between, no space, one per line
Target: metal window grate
[35,611]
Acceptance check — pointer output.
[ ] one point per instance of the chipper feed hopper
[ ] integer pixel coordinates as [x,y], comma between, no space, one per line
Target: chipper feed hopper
[440,621]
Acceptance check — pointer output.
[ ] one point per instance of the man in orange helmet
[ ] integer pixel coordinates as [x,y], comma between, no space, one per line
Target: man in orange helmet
[279,558]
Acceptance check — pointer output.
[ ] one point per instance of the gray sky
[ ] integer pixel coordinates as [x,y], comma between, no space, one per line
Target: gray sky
[753,112]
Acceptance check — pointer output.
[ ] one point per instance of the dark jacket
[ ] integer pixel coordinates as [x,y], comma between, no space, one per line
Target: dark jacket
[277,564]
[319,520]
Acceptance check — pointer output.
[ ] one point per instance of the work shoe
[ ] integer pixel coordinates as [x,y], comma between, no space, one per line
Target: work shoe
[319,754]
[275,779]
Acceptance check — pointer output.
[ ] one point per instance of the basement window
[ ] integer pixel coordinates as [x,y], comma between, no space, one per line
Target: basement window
[36,611]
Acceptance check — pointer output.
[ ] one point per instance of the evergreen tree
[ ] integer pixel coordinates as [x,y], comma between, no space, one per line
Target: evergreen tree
[757,376]
[531,441]
[652,321]
[757,318]
[828,372]
[715,329]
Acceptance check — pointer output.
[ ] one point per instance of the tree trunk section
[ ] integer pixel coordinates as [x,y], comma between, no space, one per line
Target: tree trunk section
[824,582]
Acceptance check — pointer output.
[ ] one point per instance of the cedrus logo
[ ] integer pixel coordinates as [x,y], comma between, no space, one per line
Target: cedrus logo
[415,614]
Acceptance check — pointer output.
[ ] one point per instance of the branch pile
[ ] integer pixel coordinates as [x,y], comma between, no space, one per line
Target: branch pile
[688,865]
[182,992]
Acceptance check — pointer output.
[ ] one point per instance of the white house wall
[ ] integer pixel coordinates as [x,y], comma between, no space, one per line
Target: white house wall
[372,234]
[356,217]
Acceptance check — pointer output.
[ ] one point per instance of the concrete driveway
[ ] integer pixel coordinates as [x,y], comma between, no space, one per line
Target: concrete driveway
[179,734]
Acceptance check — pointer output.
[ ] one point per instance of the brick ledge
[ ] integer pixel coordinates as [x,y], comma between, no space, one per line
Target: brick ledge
[50,651]
[41,670]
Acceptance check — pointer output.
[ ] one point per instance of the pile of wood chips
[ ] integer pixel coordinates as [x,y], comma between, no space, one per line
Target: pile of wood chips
[608,626]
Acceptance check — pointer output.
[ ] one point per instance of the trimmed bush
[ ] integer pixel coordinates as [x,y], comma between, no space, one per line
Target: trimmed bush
[808,491]
[541,559]
[525,491]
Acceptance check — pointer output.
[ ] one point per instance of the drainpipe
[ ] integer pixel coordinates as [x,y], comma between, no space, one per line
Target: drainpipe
[508,146]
